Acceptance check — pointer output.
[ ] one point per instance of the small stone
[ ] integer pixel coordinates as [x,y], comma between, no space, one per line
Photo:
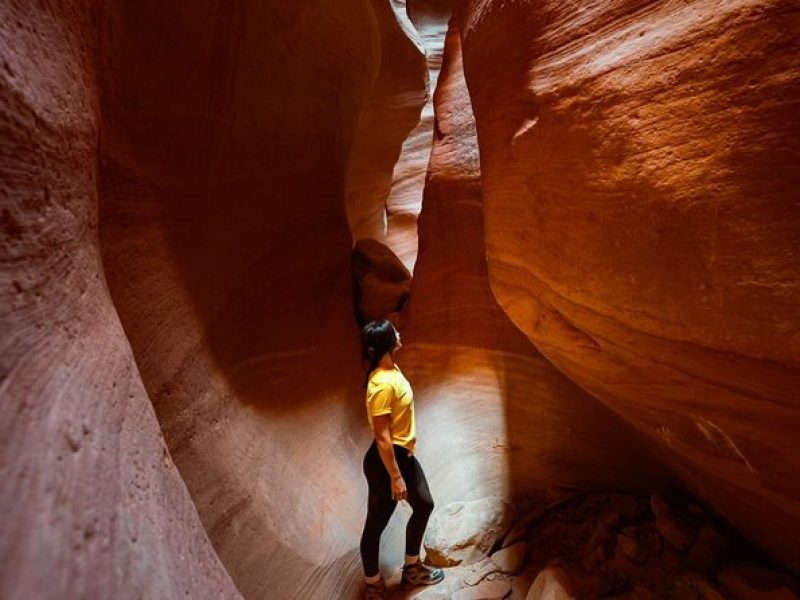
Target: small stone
[516,534]
[674,530]
[707,591]
[641,593]
[749,581]
[482,570]
[463,533]
[511,560]
[487,590]
[551,584]
[627,507]
[695,509]
[629,547]
[709,551]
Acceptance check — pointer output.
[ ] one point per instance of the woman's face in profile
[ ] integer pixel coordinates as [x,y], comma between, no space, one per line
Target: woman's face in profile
[397,344]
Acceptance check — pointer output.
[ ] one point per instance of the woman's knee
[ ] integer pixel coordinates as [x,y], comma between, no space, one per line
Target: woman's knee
[423,506]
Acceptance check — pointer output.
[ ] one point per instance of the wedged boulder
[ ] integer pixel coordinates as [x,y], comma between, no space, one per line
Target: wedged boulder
[550,584]
[381,281]
[465,532]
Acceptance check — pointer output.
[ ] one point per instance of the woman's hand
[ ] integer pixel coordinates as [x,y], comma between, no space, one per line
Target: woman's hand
[399,491]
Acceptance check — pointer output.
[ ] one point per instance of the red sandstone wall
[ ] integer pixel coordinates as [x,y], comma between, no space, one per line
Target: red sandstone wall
[640,176]
[495,417]
[92,504]
[646,247]
[224,234]
[404,199]
[392,110]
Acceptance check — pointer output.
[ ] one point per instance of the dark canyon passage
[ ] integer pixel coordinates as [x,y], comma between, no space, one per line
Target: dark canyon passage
[606,285]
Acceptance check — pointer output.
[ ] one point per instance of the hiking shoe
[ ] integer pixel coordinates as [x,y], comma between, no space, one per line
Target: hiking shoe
[419,574]
[376,591]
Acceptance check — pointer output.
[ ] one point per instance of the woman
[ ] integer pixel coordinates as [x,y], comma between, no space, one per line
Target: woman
[392,471]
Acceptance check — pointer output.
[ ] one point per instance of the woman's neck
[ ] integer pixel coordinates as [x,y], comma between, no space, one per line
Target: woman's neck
[386,361]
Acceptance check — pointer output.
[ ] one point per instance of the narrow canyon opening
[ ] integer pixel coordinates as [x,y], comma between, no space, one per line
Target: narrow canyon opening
[598,203]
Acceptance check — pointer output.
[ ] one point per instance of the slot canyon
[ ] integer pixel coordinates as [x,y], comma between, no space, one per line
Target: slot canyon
[582,216]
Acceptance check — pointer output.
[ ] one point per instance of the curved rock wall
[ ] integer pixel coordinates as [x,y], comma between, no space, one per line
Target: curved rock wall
[393,109]
[404,200]
[495,417]
[647,247]
[641,190]
[93,506]
[224,234]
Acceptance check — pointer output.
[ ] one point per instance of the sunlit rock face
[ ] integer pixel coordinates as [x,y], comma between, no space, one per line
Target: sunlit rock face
[92,504]
[390,112]
[404,200]
[194,163]
[392,143]
[641,207]
[495,417]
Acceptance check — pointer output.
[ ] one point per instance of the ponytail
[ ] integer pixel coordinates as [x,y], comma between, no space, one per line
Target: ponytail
[377,339]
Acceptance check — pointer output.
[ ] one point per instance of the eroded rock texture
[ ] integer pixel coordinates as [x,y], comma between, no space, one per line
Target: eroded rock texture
[392,110]
[404,200]
[92,505]
[641,200]
[495,417]
[639,225]
[224,234]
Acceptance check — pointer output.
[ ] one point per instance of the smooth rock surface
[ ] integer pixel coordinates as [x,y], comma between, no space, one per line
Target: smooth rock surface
[404,201]
[640,202]
[641,205]
[223,175]
[486,590]
[92,503]
[494,416]
[465,532]
[397,95]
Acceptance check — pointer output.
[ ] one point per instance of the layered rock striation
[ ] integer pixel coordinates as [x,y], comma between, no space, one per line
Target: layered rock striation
[223,175]
[391,111]
[93,506]
[181,187]
[495,417]
[404,200]
[639,173]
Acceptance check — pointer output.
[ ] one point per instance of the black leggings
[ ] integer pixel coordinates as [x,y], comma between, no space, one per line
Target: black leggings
[381,505]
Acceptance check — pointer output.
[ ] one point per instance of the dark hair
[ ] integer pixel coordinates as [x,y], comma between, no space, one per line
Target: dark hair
[377,339]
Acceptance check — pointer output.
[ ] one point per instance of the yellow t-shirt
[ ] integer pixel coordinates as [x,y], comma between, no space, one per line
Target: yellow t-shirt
[389,393]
